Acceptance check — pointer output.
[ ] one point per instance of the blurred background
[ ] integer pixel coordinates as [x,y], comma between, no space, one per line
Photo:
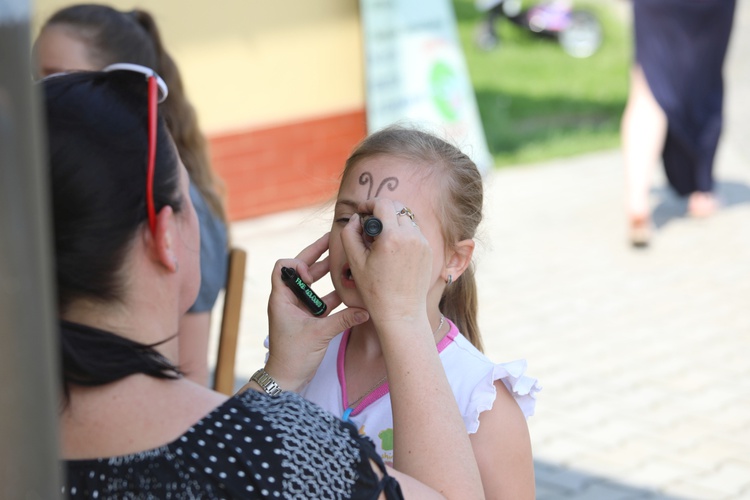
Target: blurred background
[280,90]
[642,354]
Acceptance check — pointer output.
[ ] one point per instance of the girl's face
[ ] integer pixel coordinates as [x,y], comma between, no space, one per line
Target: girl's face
[402,181]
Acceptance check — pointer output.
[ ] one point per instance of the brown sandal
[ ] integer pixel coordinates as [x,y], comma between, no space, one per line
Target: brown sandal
[640,232]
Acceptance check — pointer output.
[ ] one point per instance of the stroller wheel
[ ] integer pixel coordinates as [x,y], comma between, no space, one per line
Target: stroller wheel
[485,37]
[583,35]
[512,8]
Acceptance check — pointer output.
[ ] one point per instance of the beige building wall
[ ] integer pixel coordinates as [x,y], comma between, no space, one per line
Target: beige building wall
[254,63]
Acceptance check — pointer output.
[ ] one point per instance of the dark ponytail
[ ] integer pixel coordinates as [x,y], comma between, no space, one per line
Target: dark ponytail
[93,357]
[97,144]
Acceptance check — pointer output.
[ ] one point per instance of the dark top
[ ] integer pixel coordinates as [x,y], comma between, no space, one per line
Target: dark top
[214,253]
[252,446]
[681,45]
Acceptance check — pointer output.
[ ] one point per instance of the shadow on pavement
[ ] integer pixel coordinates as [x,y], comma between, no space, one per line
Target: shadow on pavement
[671,206]
[554,482]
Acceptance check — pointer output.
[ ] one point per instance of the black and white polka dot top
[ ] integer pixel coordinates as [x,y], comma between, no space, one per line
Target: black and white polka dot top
[252,446]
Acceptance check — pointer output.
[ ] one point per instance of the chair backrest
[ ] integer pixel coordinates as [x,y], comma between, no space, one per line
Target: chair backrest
[230,322]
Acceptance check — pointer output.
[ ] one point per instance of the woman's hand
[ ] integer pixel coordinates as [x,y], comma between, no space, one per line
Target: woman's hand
[392,271]
[297,339]
[393,274]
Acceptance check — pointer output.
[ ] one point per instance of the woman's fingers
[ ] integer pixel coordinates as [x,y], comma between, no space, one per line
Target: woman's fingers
[313,251]
[307,265]
[393,271]
[318,270]
[351,239]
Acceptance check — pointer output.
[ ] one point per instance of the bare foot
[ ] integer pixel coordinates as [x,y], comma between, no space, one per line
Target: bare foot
[701,204]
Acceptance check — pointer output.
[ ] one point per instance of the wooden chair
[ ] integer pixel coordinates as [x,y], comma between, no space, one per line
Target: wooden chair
[230,322]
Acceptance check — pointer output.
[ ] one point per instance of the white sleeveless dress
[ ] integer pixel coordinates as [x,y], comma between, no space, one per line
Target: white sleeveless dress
[470,373]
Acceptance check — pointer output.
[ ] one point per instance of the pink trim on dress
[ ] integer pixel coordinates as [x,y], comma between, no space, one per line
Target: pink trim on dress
[449,337]
[383,388]
[376,394]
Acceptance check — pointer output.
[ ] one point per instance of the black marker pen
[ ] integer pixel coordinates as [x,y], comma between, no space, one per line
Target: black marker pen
[302,291]
[371,225]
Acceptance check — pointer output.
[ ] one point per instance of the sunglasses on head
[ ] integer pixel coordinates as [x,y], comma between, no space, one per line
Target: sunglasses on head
[157,93]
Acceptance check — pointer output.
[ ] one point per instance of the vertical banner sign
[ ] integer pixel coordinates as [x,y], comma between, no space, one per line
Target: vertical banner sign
[416,73]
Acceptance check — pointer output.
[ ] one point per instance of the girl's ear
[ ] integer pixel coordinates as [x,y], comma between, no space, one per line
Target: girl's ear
[459,258]
[163,238]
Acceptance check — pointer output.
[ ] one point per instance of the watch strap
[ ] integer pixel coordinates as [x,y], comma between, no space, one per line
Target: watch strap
[266,382]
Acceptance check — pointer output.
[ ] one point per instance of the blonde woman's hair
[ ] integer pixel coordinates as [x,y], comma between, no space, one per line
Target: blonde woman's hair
[114,36]
[458,205]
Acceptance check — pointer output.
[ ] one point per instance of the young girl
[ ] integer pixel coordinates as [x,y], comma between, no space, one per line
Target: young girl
[442,189]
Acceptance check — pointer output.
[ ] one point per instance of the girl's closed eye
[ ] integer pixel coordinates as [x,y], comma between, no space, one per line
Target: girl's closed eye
[343,211]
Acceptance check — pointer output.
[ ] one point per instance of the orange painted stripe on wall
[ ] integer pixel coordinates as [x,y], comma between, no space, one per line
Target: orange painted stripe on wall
[286,166]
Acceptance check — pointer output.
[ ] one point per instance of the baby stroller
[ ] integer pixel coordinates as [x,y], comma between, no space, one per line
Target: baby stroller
[578,31]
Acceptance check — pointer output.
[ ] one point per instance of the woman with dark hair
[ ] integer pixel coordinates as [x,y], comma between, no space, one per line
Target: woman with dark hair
[90,37]
[127,259]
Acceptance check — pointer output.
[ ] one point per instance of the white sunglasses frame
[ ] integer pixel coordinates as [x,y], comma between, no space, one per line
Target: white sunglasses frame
[145,70]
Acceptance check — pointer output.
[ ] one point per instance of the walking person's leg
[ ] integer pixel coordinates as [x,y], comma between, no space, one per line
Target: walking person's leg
[643,131]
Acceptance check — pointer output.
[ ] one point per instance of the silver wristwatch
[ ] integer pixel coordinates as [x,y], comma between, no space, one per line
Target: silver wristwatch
[266,382]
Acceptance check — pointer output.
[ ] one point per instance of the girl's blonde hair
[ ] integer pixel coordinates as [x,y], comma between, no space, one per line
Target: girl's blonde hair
[458,205]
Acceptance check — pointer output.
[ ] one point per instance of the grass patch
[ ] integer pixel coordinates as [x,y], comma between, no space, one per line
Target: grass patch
[537,102]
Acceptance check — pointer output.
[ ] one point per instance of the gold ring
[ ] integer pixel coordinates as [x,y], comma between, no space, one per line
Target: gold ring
[407,212]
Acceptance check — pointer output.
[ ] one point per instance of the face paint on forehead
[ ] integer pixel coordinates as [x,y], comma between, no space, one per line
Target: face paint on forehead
[389,182]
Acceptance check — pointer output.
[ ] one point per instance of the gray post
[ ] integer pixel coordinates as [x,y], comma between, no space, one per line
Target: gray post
[28,343]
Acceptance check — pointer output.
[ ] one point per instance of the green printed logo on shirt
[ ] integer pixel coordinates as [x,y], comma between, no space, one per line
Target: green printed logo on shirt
[386,439]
